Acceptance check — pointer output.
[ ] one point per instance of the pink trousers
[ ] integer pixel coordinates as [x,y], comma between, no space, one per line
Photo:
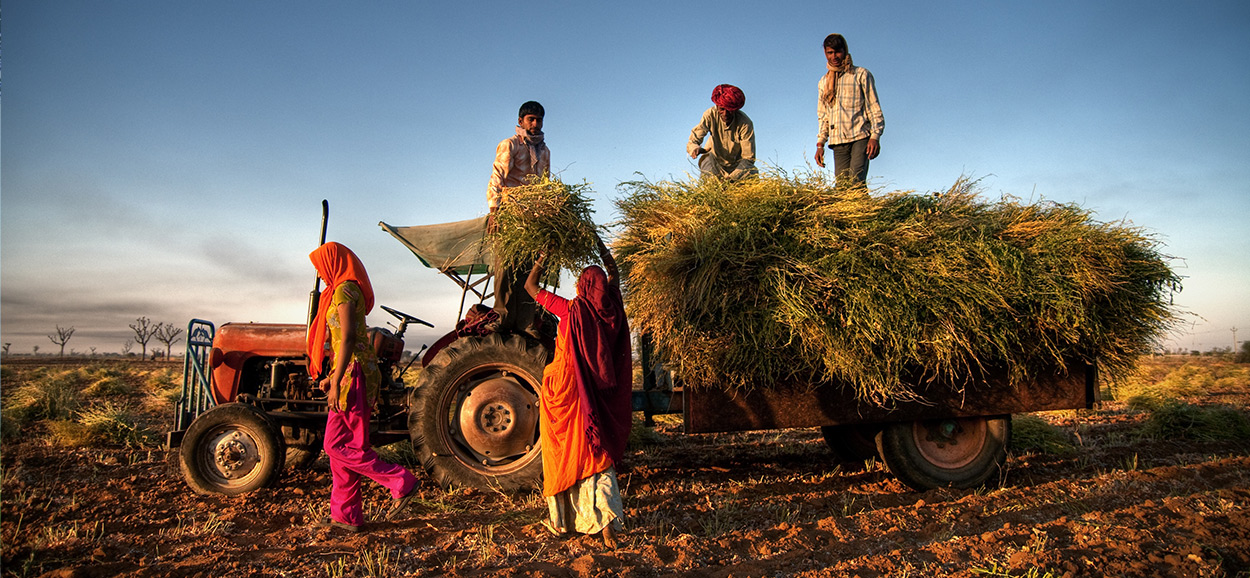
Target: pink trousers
[351,456]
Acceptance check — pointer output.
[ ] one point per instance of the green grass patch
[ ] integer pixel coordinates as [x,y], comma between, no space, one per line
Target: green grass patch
[112,423]
[401,453]
[1033,434]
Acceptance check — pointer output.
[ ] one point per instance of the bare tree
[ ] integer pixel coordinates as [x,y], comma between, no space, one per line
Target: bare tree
[6,348]
[92,352]
[144,330]
[62,337]
[127,346]
[34,350]
[168,333]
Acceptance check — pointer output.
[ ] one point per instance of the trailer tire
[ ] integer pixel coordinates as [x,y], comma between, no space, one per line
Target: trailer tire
[852,443]
[474,414]
[955,452]
[231,449]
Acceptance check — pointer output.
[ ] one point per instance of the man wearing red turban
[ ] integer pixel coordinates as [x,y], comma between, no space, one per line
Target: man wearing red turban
[731,152]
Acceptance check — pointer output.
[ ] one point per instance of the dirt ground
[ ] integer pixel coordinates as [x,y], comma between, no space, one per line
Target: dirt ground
[758,504]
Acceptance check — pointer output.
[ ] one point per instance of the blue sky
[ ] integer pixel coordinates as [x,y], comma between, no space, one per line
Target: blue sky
[168,159]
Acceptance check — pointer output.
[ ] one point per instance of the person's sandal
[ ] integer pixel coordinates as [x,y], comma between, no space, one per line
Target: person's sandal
[402,503]
[328,522]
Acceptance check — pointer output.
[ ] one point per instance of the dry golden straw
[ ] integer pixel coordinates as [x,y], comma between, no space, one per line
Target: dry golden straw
[546,216]
[792,280]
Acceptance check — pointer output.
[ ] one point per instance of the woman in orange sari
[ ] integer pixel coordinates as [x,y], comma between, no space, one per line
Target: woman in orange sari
[351,387]
[585,407]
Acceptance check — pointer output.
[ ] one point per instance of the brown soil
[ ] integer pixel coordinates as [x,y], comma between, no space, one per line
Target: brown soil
[743,505]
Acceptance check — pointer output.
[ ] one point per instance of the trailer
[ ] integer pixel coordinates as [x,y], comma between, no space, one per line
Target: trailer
[249,407]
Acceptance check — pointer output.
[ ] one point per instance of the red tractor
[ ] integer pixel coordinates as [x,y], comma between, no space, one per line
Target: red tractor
[249,408]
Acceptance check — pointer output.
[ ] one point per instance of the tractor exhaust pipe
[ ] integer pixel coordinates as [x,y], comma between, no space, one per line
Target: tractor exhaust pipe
[315,296]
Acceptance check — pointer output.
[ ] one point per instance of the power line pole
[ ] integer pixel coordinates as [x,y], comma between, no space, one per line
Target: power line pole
[1234,340]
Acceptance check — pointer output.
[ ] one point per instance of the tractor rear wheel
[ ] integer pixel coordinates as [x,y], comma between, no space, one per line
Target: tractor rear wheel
[231,449]
[956,452]
[474,414]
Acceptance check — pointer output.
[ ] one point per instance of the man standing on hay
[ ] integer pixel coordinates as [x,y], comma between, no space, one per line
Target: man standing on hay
[732,147]
[517,159]
[849,114]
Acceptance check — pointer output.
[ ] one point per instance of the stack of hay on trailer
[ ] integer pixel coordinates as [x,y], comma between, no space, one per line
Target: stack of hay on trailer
[792,280]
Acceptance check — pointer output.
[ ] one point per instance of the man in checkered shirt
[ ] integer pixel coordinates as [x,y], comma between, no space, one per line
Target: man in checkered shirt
[849,114]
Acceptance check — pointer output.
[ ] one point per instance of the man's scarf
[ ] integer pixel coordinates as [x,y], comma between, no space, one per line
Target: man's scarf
[602,363]
[829,83]
[335,264]
[728,97]
[535,142]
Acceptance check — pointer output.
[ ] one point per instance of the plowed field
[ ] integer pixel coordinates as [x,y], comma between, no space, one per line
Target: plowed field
[1116,502]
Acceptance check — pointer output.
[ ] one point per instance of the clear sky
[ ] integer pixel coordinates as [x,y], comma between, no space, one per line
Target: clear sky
[168,159]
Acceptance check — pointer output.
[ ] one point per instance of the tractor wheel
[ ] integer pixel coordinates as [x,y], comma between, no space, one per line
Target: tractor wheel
[852,443]
[303,446]
[961,453]
[232,449]
[474,414]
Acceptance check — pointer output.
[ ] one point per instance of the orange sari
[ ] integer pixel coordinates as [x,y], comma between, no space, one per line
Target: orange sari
[564,415]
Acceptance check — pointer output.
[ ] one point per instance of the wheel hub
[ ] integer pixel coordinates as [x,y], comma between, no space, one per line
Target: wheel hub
[235,454]
[496,418]
[950,443]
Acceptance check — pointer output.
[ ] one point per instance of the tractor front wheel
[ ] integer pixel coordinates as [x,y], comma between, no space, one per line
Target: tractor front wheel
[232,449]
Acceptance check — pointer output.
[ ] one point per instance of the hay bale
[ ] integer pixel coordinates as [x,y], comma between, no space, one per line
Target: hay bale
[786,279]
[546,216]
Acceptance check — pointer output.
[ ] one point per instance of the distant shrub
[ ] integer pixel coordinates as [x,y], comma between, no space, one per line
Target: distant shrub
[1031,433]
[1150,387]
[1178,420]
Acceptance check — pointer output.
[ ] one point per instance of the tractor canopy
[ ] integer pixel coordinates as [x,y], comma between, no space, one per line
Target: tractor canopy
[458,248]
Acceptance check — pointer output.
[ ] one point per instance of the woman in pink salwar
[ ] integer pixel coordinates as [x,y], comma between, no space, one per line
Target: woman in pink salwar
[351,385]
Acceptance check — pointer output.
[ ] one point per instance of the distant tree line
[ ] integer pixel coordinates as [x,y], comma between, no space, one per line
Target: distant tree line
[145,332]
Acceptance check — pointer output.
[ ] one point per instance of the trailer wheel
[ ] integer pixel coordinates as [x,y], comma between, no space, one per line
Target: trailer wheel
[962,453]
[474,414]
[231,449]
[852,443]
[303,446]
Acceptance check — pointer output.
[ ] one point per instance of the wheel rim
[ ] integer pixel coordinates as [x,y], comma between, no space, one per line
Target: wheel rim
[231,456]
[950,443]
[492,419]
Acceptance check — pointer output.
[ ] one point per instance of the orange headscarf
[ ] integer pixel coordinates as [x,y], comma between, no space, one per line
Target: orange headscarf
[335,264]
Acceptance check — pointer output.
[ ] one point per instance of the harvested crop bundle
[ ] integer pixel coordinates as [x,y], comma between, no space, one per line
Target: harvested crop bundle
[791,280]
[546,216]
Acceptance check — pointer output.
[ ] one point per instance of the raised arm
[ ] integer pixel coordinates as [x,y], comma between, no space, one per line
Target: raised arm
[536,272]
[609,264]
